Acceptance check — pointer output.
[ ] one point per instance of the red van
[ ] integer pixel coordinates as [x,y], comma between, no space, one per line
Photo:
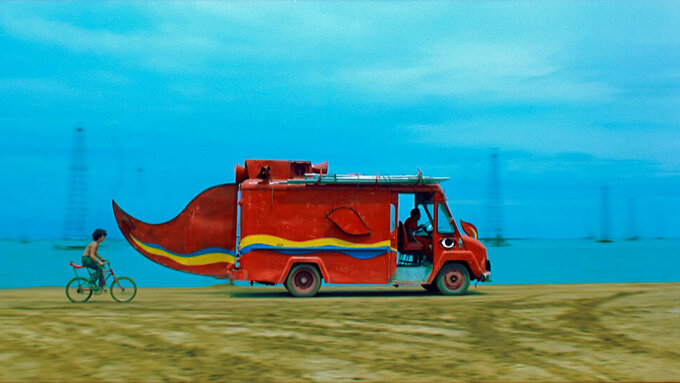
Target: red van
[290,222]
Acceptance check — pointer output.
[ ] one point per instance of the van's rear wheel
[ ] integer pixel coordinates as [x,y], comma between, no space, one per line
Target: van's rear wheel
[453,279]
[303,281]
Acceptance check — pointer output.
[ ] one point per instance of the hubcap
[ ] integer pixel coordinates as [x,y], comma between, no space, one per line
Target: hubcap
[304,281]
[453,280]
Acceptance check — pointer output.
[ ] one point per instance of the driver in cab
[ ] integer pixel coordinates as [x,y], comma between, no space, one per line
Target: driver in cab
[411,226]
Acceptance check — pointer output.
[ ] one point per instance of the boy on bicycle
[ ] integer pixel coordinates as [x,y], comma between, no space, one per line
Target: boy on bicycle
[92,260]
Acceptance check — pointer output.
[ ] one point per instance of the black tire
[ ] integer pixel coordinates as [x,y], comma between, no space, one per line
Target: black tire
[431,288]
[453,279]
[303,280]
[78,290]
[123,289]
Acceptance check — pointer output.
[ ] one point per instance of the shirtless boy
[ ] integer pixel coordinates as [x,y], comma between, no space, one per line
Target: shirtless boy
[91,259]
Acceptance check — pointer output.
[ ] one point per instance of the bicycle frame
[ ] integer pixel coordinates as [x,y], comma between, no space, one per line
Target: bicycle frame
[107,272]
[79,289]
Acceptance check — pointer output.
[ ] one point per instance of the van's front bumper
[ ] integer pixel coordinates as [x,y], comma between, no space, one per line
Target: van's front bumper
[486,277]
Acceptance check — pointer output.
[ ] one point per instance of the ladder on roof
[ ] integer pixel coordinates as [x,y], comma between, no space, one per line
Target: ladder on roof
[354,179]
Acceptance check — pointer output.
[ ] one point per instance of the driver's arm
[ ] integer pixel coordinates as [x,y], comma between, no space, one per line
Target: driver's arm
[410,229]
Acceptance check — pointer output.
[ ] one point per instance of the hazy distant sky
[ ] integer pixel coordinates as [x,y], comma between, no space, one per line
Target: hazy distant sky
[172,95]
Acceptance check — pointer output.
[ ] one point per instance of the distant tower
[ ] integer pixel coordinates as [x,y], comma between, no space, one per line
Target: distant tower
[589,225]
[495,208]
[631,234]
[660,224]
[76,196]
[604,215]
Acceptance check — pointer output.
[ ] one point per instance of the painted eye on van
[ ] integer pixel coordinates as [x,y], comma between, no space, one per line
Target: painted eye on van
[447,243]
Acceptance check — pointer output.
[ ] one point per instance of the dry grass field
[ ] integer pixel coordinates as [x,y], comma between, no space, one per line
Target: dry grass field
[604,332]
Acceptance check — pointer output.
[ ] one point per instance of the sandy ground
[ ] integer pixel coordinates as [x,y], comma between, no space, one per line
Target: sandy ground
[604,332]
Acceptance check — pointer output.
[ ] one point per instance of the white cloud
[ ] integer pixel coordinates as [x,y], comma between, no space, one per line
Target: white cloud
[486,71]
[36,86]
[107,77]
[524,134]
[147,48]
[194,37]
[326,19]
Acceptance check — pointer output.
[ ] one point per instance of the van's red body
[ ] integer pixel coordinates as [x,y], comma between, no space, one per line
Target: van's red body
[345,229]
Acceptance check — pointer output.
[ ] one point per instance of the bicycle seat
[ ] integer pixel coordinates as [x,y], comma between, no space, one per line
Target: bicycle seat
[76,266]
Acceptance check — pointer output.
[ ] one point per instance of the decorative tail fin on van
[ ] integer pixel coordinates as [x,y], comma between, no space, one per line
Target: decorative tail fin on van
[469,229]
[200,240]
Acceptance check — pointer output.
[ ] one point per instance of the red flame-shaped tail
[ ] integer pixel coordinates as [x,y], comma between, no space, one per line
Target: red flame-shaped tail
[200,240]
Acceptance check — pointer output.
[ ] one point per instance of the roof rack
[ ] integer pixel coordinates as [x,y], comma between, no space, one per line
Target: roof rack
[354,179]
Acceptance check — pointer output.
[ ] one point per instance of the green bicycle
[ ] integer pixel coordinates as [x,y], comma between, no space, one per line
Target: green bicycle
[80,290]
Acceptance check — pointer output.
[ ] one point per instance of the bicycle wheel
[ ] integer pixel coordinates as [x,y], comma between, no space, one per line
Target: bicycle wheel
[78,290]
[123,289]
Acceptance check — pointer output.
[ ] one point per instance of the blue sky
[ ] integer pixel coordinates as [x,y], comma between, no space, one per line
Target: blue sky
[172,95]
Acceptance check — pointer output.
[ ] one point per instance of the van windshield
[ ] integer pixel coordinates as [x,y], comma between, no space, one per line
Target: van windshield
[444,222]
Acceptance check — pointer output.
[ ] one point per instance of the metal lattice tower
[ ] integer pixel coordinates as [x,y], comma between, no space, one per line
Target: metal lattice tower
[660,224]
[75,217]
[604,215]
[632,218]
[495,207]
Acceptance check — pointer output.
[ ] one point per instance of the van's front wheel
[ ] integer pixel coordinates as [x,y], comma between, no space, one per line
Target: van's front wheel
[303,280]
[453,279]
